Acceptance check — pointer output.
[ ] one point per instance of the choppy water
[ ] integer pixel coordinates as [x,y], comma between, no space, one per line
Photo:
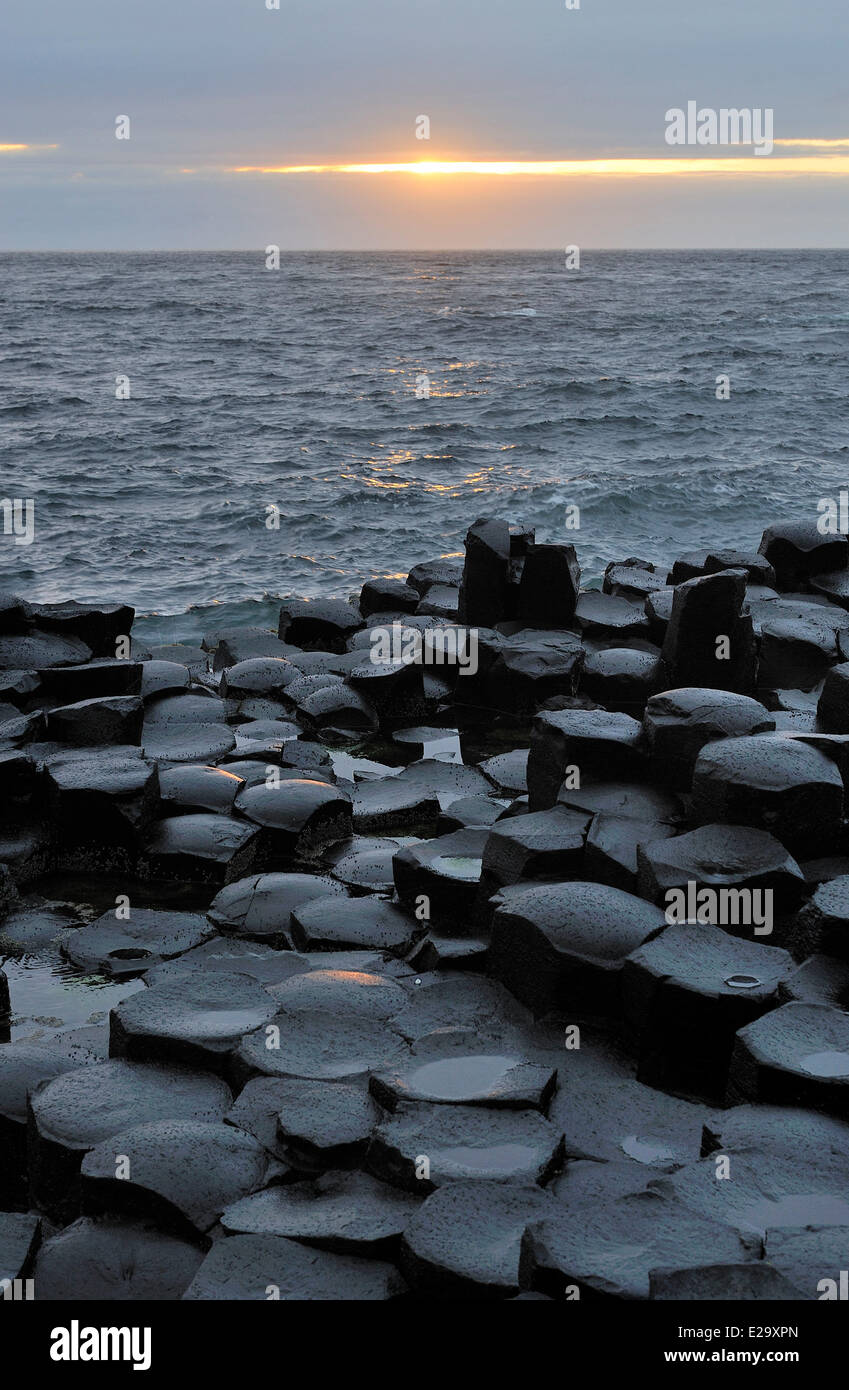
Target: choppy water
[297,388]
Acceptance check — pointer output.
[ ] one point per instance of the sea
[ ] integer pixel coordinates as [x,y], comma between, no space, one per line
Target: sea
[200,434]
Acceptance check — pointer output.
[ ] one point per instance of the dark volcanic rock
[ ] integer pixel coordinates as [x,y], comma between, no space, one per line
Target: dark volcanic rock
[333,924]
[177,1172]
[621,678]
[123,948]
[465,1239]
[36,650]
[679,723]
[212,849]
[561,946]
[833,707]
[708,643]
[823,923]
[383,595]
[261,675]
[550,584]
[444,1071]
[446,872]
[72,1112]
[612,846]
[297,819]
[91,723]
[486,579]
[721,855]
[258,1267]
[612,1247]
[750,1283]
[544,844]
[685,995]
[97,625]
[322,1124]
[19,1237]
[70,684]
[797,550]
[423,1147]
[350,1213]
[192,788]
[197,1020]
[259,908]
[318,624]
[109,799]
[796,1055]
[773,783]
[115,1262]
[592,742]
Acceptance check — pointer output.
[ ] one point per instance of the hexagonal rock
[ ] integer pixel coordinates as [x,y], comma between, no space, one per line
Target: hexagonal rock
[247,1268]
[322,1124]
[621,678]
[204,848]
[468,813]
[775,784]
[349,1213]
[23,1065]
[318,624]
[594,742]
[197,1020]
[92,723]
[448,781]
[781,1134]
[72,1112]
[632,800]
[796,1055]
[68,685]
[203,789]
[422,1147]
[607,616]
[445,570]
[484,588]
[752,1283]
[259,908]
[383,595]
[550,584]
[333,924]
[543,844]
[563,945]
[611,847]
[508,772]
[811,1261]
[686,993]
[833,706]
[36,650]
[20,1233]
[518,673]
[388,806]
[480,1008]
[364,864]
[163,678]
[261,675]
[446,871]
[834,587]
[708,643]
[611,1247]
[718,856]
[679,723]
[795,654]
[822,924]
[797,550]
[820,980]
[122,949]
[95,1261]
[332,1025]
[448,1072]
[102,800]
[465,1239]
[177,1173]
[186,742]
[298,818]
[632,579]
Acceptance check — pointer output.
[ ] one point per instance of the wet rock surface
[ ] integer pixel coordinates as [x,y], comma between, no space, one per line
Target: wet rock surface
[354,978]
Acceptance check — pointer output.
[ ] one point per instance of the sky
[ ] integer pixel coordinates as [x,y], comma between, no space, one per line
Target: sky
[223,95]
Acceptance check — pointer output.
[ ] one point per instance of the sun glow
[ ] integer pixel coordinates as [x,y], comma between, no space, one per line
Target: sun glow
[570,168]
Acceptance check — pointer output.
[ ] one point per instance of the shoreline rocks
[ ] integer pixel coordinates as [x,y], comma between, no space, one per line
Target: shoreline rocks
[387,900]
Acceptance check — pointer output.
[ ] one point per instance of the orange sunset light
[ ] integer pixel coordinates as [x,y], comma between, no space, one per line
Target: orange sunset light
[568,168]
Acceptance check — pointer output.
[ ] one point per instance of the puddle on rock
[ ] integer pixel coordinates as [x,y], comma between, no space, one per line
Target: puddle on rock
[835,1064]
[454,1077]
[647,1150]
